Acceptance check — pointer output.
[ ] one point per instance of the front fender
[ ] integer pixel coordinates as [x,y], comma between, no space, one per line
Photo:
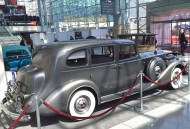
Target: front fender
[61,96]
[166,75]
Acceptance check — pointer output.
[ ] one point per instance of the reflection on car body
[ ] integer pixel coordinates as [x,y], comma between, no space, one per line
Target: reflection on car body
[75,76]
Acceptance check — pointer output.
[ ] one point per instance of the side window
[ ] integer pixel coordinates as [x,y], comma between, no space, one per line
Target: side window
[126,51]
[16,54]
[102,54]
[77,58]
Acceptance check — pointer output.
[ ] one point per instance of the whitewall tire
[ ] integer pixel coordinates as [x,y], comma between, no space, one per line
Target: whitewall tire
[82,103]
[177,82]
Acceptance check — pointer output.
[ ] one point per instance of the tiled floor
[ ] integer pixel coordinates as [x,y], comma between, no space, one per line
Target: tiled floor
[174,115]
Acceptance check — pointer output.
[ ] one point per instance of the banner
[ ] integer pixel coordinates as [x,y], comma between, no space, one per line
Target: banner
[108,7]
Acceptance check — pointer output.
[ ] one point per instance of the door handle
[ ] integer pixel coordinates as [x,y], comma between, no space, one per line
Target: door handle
[114,66]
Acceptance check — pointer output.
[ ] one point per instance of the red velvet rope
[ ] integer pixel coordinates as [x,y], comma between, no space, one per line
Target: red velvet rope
[95,116]
[164,83]
[21,115]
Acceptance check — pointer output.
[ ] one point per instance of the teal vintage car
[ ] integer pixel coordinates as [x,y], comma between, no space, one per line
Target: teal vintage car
[15,56]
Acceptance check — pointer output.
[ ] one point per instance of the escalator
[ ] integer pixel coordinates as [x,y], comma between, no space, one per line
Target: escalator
[7,38]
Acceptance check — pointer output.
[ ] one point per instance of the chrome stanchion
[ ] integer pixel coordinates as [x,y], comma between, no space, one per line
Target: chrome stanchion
[37,112]
[141,107]
[187,89]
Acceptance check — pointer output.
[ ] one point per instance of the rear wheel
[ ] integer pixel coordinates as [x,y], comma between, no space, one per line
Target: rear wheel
[82,103]
[177,82]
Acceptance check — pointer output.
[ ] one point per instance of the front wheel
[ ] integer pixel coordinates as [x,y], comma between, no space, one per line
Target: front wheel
[177,82]
[82,103]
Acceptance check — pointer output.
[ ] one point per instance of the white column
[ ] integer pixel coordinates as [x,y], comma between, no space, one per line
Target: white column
[3,86]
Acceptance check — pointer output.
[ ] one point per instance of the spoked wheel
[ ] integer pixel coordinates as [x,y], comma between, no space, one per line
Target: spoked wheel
[82,103]
[157,70]
[155,67]
[177,82]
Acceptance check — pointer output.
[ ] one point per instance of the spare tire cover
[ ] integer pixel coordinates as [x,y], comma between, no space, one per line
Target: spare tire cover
[155,67]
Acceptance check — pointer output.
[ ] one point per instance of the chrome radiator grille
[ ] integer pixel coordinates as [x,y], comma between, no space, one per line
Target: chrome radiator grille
[14,95]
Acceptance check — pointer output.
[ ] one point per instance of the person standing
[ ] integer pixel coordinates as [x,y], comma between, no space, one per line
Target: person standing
[71,38]
[30,42]
[22,43]
[182,42]
[107,36]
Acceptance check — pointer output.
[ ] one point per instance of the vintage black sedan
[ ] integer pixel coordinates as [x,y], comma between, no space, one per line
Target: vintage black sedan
[75,76]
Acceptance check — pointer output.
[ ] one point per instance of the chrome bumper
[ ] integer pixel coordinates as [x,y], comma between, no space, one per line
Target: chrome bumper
[14,115]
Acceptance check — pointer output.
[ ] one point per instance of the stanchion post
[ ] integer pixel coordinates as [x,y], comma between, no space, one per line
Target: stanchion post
[187,89]
[37,112]
[141,107]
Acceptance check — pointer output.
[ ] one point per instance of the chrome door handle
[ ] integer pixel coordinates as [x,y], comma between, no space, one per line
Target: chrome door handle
[114,66]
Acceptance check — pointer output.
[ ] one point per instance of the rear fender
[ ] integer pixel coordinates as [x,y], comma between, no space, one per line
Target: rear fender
[61,96]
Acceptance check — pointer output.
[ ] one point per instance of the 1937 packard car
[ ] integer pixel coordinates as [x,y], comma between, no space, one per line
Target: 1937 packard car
[75,76]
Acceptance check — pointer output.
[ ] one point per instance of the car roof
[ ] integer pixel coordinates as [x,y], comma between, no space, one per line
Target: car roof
[13,47]
[72,44]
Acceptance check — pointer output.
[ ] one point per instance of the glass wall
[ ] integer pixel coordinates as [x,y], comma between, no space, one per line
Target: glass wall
[30,5]
[66,15]
[19,12]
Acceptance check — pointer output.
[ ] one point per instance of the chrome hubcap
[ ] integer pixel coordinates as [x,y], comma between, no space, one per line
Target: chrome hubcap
[176,80]
[158,70]
[82,105]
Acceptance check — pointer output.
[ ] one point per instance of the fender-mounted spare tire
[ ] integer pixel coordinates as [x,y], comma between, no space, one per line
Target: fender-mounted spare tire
[155,67]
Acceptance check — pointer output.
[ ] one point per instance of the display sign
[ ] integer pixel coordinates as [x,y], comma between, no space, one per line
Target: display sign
[78,35]
[108,7]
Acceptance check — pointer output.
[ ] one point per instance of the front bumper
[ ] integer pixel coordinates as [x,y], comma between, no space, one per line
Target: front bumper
[12,103]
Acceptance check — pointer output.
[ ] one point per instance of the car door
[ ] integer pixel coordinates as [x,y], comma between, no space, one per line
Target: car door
[129,66]
[104,70]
